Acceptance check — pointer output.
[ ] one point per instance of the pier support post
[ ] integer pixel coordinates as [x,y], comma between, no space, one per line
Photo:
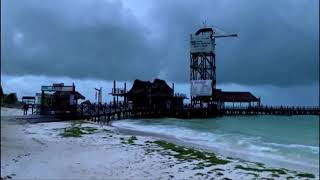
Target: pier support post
[125,96]
[42,103]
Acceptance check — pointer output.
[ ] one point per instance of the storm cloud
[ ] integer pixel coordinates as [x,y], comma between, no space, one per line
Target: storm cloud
[278,41]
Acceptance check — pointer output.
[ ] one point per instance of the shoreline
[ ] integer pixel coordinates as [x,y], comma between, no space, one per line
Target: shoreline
[242,156]
[36,151]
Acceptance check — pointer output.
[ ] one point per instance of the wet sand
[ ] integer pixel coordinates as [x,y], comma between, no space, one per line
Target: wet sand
[38,151]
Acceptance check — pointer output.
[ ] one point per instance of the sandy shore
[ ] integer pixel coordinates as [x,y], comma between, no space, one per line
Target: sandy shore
[38,151]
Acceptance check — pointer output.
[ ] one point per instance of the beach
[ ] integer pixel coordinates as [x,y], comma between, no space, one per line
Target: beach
[49,151]
[279,141]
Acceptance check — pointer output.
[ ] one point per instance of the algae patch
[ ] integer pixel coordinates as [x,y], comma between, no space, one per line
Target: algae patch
[189,154]
[129,141]
[132,139]
[307,175]
[76,131]
[278,171]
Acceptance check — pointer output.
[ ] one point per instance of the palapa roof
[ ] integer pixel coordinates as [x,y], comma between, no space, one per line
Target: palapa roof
[66,94]
[236,97]
[157,88]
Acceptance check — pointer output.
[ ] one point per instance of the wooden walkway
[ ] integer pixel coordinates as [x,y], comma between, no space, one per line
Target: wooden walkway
[107,112]
[272,110]
[103,112]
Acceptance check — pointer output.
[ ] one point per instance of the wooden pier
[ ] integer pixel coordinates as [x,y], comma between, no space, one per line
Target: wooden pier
[156,99]
[104,113]
[272,110]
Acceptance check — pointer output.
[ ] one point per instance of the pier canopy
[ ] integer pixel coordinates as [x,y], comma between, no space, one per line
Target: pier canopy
[229,96]
[66,95]
[29,99]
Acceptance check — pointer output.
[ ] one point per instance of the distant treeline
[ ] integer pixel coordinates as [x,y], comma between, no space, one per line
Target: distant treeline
[8,99]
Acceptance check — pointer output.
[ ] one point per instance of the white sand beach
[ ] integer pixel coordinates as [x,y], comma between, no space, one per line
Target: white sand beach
[38,151]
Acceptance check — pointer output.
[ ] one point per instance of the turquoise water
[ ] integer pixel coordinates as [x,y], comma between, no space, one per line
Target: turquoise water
[291,141]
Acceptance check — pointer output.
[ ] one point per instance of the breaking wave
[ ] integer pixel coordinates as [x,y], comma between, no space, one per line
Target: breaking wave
[235,143]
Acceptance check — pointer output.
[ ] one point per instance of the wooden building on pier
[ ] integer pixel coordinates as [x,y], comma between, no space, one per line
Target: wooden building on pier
[65,101]
[59,98]
[156,95]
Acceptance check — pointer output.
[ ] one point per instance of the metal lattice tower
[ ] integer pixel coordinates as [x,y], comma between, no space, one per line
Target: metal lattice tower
[203,62]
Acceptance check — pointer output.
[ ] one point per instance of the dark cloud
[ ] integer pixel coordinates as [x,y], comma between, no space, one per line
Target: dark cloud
[278,42]
[86,39]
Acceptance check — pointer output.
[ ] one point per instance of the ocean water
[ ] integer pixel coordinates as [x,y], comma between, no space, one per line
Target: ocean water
[280,141]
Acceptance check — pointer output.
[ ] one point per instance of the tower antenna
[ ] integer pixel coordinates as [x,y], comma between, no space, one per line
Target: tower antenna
[204,23]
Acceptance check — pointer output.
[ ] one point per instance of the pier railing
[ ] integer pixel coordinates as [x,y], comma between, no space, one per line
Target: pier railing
[107,111]
[273,110]
[246,110]
[274,107]
[118,91]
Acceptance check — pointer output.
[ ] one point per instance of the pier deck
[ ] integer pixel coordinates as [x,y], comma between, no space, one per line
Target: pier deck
[105,113]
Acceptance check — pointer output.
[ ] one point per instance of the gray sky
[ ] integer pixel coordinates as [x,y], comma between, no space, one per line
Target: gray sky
[278,41]
[92,42]
[271,95]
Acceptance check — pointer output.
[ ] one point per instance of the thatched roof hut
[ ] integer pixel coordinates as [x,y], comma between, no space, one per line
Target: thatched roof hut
[156,95]
[157,88]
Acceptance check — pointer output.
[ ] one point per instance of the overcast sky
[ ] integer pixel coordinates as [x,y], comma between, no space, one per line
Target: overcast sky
[102,40]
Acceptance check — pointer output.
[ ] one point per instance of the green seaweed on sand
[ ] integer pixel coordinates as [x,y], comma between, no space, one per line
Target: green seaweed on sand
[76,131]
[165,145]
[307,175]
[278,171]
[132,139]
[183,153]
[202,165]
[72,132]
[260,164]
[89,130]
[214,160]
